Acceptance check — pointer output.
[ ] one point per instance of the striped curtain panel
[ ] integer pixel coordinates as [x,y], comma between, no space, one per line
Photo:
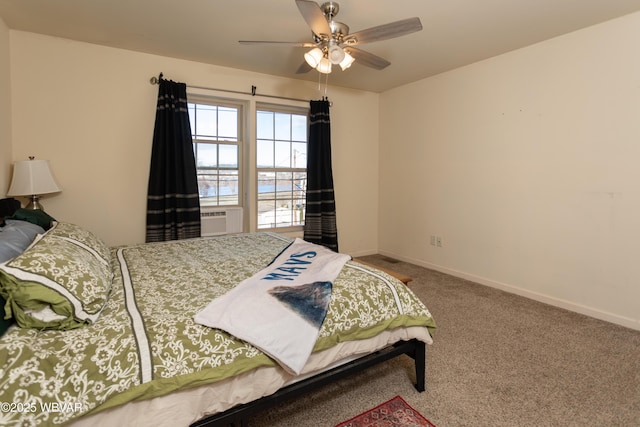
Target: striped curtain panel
[320,218]
[173,205]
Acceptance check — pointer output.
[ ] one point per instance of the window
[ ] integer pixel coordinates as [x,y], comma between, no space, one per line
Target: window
[217,141]
[281,166]
[276,198]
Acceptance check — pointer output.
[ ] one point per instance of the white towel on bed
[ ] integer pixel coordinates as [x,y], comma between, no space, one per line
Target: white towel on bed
[280,309]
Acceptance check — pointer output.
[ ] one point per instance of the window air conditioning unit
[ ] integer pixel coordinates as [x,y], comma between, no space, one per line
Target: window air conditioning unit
[217,221]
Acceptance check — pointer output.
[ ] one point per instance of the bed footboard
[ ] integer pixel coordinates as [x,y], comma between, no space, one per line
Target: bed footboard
[239,416]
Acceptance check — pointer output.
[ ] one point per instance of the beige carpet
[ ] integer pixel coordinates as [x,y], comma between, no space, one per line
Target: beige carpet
[498,360]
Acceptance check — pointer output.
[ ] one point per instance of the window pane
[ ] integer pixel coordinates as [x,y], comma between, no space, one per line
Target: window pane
[228,188]
[299,155]
[266,185]
[299,195]
[208,185]
[299,128]
[267,214]
[264,154]
[283,126]
[206,155]
[284,186]
[300,187]
[191,108]
[283,154]
[228,156]
[264,125]
[228,123]
[206,121]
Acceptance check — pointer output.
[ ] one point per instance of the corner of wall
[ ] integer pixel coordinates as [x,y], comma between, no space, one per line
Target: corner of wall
[5,107]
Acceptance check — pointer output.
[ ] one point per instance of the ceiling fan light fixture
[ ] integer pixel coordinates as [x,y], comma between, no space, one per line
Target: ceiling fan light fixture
[346,61]
[324,66]
[313,57]
[336,54]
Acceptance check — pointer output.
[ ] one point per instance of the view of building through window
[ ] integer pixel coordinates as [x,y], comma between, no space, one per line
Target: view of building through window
[281,160]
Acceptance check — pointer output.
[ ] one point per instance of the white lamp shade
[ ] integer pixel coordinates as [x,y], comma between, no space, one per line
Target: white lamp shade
[347,61]
[32,177]
[313,57]
[324,66]
[336,54]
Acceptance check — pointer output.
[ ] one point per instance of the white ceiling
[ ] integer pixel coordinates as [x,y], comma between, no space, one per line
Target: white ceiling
[455,32]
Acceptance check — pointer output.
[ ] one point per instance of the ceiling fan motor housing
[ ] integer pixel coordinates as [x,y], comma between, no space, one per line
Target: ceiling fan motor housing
[330,9]
[338,30]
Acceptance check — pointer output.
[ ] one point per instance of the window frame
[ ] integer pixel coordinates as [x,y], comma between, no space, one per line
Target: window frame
[240,143]
[287,109]
[247,146]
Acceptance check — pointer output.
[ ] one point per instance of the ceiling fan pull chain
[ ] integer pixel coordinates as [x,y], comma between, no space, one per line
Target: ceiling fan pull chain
[326,83]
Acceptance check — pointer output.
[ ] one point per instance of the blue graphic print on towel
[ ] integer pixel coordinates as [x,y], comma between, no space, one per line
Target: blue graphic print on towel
[283,305]
[310,301]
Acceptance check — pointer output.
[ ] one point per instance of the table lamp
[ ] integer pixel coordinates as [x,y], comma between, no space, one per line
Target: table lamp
[32,178]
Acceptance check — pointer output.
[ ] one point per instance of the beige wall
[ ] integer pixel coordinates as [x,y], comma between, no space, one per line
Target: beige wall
[527,166]
[90,110]
[524,164]
[5,110]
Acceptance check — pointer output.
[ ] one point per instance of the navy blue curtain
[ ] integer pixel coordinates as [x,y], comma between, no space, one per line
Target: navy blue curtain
[173,204]
[320,217]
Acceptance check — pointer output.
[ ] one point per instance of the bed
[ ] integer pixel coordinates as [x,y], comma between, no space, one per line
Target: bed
[106,336]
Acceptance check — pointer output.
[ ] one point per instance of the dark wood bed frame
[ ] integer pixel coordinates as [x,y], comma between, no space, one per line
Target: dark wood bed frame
[238,416]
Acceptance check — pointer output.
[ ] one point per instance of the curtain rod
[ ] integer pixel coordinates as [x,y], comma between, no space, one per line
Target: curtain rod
[156,80]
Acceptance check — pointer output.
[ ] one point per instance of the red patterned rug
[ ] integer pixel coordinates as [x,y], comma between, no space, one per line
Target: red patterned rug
[393,413]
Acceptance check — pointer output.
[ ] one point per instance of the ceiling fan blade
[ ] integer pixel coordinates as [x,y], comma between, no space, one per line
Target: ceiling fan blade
[265,42]
[304,68]
[312,13]
[384,32]
[367,59]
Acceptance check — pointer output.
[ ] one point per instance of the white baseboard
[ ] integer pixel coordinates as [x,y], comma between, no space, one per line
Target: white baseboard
[363,253]
[557,302]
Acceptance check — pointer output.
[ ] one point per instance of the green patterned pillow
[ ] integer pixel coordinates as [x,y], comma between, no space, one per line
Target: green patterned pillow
[57,283]
[82,236]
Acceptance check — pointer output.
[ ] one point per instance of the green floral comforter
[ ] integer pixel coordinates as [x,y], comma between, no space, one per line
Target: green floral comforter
[145,343]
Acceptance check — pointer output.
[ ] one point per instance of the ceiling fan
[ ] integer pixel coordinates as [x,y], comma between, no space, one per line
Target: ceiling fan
[333,45]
